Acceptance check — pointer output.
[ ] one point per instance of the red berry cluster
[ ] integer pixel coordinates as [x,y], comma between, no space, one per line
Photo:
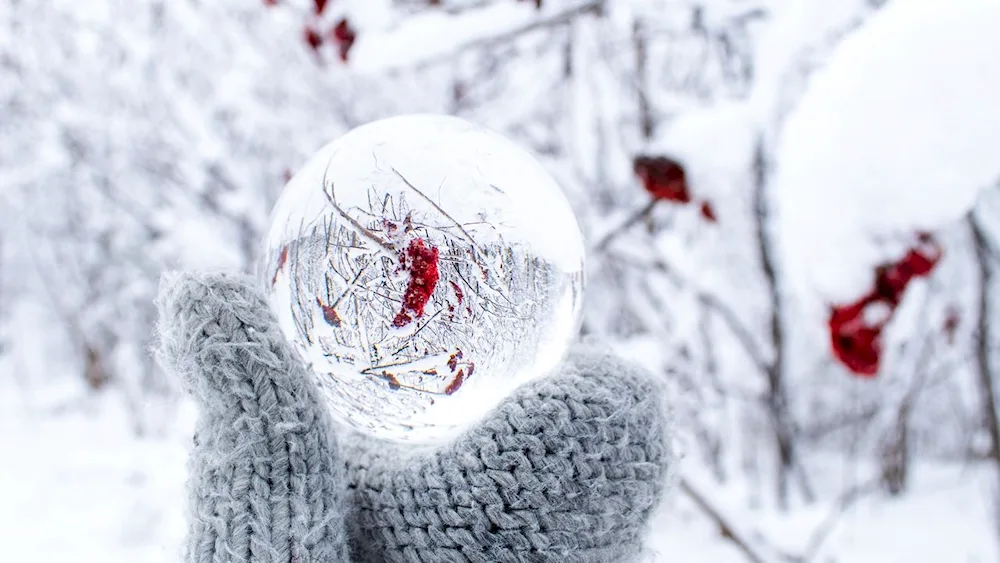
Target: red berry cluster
[341,35]
[421,260]
[856,328]
[664,178]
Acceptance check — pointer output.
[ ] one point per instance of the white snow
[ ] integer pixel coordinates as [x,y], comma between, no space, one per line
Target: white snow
[715,145]
[946,517]
[80,487]
[899,132]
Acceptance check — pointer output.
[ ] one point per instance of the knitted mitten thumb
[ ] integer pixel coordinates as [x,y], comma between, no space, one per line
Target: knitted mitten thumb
[266,482]
[566,470]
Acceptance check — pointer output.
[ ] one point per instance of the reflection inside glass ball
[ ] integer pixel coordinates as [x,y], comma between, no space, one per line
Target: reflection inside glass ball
[423,267]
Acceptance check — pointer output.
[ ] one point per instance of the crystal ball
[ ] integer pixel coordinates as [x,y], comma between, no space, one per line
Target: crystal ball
[423,267]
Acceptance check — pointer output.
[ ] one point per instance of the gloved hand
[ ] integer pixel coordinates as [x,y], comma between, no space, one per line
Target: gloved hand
[567,469]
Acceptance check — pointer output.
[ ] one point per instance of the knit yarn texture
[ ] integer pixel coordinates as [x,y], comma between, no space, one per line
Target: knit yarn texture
[567,469]
[266,483]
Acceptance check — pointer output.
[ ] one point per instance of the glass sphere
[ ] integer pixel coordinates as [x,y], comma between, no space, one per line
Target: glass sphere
[423,267]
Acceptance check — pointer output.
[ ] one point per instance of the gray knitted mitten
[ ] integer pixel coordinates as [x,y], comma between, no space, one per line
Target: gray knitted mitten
[568,469]
[266,479]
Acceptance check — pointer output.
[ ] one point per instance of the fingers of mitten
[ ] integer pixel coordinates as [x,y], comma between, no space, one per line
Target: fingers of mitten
[265,491]
[608,416]
[568,468]
[218,333]
[598,376]
[266,477]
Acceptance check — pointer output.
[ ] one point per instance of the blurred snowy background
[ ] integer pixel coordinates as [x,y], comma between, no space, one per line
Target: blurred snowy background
[791,210]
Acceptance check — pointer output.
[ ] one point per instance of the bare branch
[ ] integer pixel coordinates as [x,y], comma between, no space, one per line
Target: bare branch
[349,288]
[726,527]
[440,210]
[641,48]
[755,554]
[778,394]
[365,232]
[983,365]
[627,224]
[594,7]
[743,334]
[822,532]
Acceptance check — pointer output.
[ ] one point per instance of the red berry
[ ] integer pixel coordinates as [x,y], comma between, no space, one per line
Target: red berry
[344,35]
[891,281]
[708,213]
[951,321]
[859,350]
[857,340]
[920,263]
[313,38]
[662,177]
[855,343]
[459,294]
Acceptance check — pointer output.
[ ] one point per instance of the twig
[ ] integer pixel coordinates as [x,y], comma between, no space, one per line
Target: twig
[726,528]
[816,540]
[823,428]
[983,365]
[728,316]
[358,226]
[420,328]
[988,244]
[641,48]
[564,17]
[440,209]
[777,392]
[349,287]
[625,226]
[820,535]
[743,335]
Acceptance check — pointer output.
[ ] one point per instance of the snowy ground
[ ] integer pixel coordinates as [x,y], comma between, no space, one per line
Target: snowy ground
[79,487]
[944,518]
